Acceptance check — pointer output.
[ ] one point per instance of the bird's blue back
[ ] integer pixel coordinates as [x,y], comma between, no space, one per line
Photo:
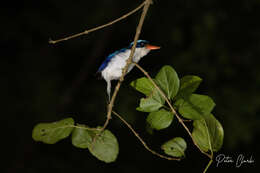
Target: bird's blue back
[140,43]
[108,59]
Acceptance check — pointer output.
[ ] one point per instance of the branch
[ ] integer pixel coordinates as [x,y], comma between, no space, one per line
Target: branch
[99,27]
[142,141]
[208,165]
[129,60]
[172,109]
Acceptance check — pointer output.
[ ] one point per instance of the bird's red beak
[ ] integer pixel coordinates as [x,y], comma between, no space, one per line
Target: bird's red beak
[152,47]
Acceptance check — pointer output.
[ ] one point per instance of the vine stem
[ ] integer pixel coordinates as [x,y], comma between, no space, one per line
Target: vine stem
[129,60]
[171,107]
[142,141]
[99,27]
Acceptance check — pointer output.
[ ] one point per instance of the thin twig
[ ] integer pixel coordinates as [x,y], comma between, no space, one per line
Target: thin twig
[142,141]
[99,27]
[172,109]
[208,165]
[129,60]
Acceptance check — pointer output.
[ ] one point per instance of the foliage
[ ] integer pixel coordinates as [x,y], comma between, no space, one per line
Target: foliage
[195,106]
[103,145]
[159,119]
[50,133]
[207,131]
[175,147]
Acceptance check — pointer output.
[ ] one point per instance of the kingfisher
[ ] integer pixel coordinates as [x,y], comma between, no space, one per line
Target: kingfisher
[113,65]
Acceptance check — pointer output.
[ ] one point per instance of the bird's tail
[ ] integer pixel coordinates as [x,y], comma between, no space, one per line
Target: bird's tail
[108,89]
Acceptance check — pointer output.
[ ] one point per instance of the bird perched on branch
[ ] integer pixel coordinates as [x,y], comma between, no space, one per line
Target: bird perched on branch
[112,67]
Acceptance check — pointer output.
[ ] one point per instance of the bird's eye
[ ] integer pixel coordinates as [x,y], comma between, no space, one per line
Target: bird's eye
[142,44]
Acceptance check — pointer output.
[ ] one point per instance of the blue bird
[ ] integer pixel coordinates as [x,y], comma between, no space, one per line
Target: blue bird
[112,67]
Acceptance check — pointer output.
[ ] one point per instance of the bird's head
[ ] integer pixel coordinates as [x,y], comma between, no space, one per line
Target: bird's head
[144,44]
[143,47]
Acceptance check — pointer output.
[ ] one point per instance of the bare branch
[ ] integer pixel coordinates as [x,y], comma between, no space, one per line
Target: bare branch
[142,141]
[99,27]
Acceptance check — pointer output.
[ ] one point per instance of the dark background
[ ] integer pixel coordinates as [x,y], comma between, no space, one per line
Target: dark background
[216,40]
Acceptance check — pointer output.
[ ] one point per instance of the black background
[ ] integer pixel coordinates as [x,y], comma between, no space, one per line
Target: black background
[216,40]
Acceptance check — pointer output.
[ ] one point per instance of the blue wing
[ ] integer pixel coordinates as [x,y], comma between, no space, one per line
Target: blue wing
[108,59]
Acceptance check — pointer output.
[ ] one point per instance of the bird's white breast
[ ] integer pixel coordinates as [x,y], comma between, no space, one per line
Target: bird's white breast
[113,71]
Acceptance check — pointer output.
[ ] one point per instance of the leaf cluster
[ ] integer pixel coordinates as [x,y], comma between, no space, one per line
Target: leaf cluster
[103,145]
[207,131]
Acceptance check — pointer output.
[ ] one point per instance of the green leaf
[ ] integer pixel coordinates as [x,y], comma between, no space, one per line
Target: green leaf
[143,85]
[188,84]
[105,147]
[81,137]
[160,119]
[153,101]
[175,147]
[208,133]
[196,106]
[50,133]
[149,105]
[178,103]
[168,81]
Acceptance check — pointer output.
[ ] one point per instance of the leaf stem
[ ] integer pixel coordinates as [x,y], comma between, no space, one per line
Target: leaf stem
[142,141]
[79,127]
[210,146]
[208,165]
